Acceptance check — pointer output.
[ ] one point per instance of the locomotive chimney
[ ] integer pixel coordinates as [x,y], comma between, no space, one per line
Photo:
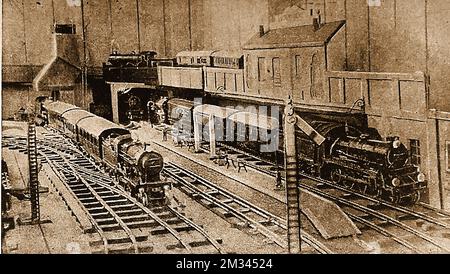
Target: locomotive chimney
[261,30]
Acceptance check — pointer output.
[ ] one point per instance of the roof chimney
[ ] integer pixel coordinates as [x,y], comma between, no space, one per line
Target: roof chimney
[317,21]
[261,30]
[316,24]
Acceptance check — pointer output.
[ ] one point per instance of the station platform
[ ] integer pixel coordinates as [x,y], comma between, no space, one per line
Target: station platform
[60,234]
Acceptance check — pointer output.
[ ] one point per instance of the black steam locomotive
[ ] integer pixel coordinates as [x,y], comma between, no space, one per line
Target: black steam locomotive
[134,67]
[359,159]
[353,156]
[133,165]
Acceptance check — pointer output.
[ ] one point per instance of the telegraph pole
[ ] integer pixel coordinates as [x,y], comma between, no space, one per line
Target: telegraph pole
[292,189]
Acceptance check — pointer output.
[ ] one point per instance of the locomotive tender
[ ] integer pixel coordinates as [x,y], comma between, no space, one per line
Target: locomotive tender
[136,168]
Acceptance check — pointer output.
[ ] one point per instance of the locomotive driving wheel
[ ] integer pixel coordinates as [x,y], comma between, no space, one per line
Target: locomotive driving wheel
[144,199]
[395,198]
[378,192]
[336,175]
[415,197]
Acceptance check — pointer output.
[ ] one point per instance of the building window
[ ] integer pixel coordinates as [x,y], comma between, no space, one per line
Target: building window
[414,146]
[447,153]
[261,68]
[276,71]
[298,65]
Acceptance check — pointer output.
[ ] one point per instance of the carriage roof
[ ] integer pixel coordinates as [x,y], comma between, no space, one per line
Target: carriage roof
[73,116]
[98,126]
[59,107]
[195,53]
[227,54]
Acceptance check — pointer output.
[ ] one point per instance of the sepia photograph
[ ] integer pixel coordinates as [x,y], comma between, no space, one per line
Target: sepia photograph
[249,128]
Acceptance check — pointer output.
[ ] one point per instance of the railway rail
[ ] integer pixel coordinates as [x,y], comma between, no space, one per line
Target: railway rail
[121,222]
[370,213]
[383,217]
[247,159]
[420,211]
[229,205]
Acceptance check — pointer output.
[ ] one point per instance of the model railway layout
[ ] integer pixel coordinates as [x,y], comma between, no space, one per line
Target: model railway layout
[117,217]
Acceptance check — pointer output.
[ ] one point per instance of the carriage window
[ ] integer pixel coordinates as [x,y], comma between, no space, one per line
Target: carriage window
[261,68]
[447,153]
[414,146]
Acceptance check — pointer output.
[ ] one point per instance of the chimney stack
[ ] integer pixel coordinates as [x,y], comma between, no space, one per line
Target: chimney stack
[316,24]
[317,21]
[261,30]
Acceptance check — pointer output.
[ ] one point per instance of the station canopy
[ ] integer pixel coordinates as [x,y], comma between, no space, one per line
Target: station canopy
[216,111]
[237,116]
[255,120]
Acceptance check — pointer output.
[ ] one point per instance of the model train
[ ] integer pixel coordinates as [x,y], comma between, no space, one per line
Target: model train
[355,157]
[134,166]
[134,67]
[359,159]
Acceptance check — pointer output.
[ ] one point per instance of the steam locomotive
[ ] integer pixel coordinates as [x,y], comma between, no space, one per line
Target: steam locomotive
[359,159]
[134,67]
[353,156]
[134,165]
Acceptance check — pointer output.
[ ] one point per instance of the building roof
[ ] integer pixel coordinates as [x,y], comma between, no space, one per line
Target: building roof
[75,115]
[96,126]
[60,107]
[295,37]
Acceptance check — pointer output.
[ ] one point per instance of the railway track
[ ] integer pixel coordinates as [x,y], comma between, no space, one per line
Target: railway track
[229,206]
[122,224]
[408,227]
[401,224]
[249,160]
